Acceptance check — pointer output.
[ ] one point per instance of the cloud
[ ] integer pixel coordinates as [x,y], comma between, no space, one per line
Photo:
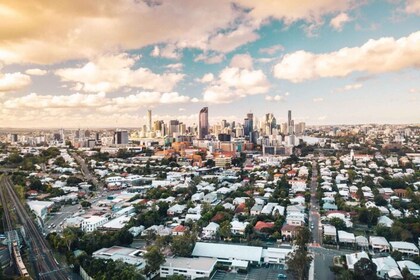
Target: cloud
[412,7]
[36,72]
[170,51]
[276,98]
[375,56]
[236,81]
[338,21]
[207,78]
[113,72]
[11,82]
[175,66]
[318,99]
[212,58]
[241,61]
[271,50]
[78,29]
[349,87]
[97,100]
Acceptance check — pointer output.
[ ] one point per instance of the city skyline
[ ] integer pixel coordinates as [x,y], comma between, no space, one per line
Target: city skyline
[78,64]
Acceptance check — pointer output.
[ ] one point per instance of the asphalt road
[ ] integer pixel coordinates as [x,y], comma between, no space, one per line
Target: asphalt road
[86,172]
[323,259]
[314,209]
[58,217]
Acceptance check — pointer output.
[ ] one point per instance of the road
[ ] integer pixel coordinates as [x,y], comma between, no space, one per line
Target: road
[86,172]
[58,217]
[323,259]
[314,216]
[44,263]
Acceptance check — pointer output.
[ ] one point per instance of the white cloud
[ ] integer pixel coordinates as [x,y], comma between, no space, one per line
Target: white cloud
[241,61]
[338,21]
[81,29]
[276,98]
[318,99]
[414,90]
[375,56]
[113,72]
[170,51]
[10,82]
[322,118]
[207,78]
[272,50]
[236,82]
[412,7]
[36,72]
[175,66]
[349,87]
[210,58]
[97,100]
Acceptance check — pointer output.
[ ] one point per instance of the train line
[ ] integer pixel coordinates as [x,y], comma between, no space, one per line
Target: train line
[46,266]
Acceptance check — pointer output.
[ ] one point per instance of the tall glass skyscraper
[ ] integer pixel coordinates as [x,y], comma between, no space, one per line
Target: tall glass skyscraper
[203,123]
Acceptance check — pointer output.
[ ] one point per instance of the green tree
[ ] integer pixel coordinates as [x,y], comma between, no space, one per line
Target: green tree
[407,274]
[298,264]
[338,223]
[183,245]
[365,269]
[225,229]
[154,258]
[85,204]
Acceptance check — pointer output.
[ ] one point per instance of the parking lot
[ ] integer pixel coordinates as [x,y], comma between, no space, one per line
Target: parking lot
[261,273]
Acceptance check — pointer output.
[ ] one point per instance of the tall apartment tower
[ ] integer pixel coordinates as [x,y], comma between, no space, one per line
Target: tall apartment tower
[203,123]
[289,122]
[149,120]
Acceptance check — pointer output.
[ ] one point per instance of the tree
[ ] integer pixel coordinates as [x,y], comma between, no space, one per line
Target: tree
[60,161]
[176,277]
[85,204]
[69,237]
[365,269]
[380,201]
[225,229]
[407,274]
[298,264]
[154,258]
[338,223]
[183,245]
[73,181]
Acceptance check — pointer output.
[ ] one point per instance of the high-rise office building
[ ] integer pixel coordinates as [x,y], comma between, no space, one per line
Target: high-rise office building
[149,120]
[203,123]
[121,137]
[173,127]
[248,124]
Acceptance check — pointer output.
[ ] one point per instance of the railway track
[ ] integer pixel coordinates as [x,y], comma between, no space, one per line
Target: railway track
[46,266]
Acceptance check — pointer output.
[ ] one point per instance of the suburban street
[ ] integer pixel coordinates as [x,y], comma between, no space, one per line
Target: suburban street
[86,172]
[314,208]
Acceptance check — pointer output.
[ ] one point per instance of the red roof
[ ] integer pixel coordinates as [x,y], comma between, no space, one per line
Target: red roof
[218,217]
[241,208]
[261,225]
[179,228]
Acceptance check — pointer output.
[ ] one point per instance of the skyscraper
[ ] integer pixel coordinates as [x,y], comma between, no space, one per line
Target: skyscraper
[203,123]
[248,124]
[149,120]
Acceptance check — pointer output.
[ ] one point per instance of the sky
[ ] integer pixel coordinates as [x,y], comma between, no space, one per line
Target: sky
[104,63]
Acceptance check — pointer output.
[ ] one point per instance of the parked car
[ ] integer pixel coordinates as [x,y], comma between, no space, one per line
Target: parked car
[281,276]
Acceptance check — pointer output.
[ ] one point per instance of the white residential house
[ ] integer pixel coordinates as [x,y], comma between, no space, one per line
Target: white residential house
[295,219]
[351,259]
[406,248]
[210,230]
[385,221]
[197,197]
[93,222]
[346,237]
[238,227]
[176,209]
[379,243]
[330,232]
[411,266]
[256,209]
[387,267]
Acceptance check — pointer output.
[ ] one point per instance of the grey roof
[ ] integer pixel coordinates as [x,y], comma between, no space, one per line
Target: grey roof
[227,251]
[203,264]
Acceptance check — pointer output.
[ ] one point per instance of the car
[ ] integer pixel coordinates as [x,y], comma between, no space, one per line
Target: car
[281,276]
